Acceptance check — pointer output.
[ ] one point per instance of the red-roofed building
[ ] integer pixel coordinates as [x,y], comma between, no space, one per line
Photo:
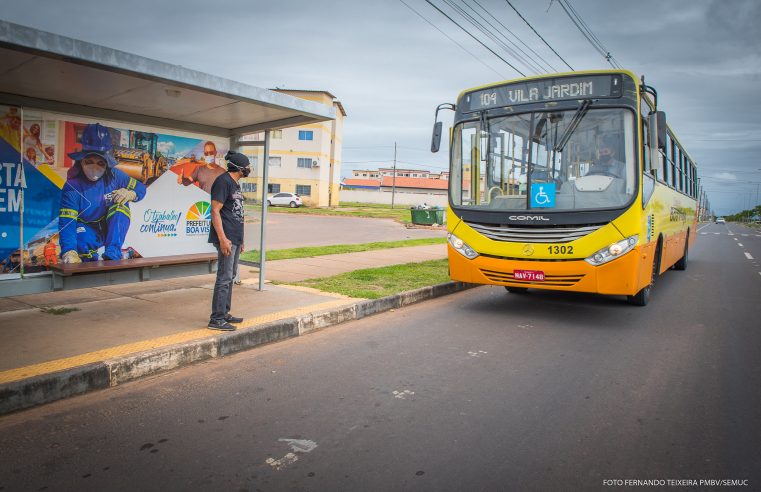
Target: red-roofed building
[353,183]
[410,187]
[415,185]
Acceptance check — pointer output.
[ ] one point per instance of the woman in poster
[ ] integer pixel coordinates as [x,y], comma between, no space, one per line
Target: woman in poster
[95,201]
[34,149]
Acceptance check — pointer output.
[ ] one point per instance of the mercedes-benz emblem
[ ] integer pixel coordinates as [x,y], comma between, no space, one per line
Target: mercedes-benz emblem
[528,250]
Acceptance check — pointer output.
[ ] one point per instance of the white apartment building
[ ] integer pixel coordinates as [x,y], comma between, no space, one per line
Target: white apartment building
[304,160]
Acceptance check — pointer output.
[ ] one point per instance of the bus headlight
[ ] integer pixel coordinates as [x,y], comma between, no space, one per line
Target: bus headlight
[461,246]
[613,251]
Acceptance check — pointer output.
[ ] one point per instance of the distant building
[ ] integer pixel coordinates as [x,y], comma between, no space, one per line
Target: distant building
[407,180]
[365,173]
[305,159]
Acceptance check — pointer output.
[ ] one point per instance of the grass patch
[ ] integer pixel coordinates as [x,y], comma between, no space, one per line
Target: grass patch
[309,251]
[59,311]
[374,283]
[400,213]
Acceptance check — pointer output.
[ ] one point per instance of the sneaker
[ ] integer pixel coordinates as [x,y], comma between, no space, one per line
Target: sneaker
[238,282]
[220,325]
[232,319]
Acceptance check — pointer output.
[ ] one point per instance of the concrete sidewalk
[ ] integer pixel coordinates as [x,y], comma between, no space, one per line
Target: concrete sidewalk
[121,332]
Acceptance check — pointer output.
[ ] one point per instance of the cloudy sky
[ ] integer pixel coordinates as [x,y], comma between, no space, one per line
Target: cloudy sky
[390,67]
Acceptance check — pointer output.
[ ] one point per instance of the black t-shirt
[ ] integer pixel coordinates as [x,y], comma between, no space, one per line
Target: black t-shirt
[226,191]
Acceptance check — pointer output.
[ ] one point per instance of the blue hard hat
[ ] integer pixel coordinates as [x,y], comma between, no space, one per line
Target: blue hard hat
[96,139]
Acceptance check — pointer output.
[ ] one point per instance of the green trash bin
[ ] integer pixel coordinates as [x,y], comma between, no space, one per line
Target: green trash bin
[439,213]
[427,216]
[422,216]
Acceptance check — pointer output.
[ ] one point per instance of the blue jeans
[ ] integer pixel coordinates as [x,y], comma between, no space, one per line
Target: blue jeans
[223,287]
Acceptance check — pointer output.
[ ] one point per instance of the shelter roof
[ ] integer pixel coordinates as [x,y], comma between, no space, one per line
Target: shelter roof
[47,71]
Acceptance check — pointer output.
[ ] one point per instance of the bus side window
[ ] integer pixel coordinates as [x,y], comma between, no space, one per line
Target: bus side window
[645,148]
[672,162]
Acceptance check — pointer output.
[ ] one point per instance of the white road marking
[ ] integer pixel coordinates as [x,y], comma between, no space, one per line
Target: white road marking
[477,354]
[748,256]
[286,460]
[706,225]
[402,395]
[716,233]
[298,446]
[740,244]
[745,235]
[735,239]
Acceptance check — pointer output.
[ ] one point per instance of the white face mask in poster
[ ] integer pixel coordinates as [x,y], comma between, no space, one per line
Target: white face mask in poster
[210,159]
[94,167]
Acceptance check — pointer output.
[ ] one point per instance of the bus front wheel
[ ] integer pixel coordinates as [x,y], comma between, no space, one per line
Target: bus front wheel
[642,297]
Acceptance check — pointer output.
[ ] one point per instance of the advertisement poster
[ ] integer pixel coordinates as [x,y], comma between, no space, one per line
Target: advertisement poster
[29,201]
[165,179]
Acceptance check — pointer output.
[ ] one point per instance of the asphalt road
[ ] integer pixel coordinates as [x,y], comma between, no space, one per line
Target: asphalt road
[287,230]
[481,390]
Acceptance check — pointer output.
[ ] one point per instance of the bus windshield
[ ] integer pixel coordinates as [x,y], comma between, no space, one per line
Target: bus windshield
[577,159]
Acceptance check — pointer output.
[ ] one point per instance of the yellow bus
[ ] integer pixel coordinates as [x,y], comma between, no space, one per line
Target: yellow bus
[569,181]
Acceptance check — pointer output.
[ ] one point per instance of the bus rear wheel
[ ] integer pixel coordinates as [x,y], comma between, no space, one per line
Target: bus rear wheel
[516,290]
[642,297]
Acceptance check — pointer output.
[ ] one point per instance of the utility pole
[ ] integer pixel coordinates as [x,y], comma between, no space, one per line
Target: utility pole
[393,179]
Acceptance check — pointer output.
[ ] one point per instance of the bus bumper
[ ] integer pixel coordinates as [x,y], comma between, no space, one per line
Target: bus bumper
[622,276]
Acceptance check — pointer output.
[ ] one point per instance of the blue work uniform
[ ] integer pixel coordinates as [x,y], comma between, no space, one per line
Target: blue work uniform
[89,218]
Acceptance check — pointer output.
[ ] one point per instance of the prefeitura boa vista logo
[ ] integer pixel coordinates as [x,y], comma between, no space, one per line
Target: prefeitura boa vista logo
[198,219]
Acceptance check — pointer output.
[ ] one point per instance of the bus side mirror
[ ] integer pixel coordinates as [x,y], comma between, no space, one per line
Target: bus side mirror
[436,139]
[656,122]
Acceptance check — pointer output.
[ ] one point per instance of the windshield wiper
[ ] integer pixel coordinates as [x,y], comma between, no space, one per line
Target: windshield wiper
[577,117]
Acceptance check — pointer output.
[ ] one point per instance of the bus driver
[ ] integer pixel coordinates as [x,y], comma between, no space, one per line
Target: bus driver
[607,164]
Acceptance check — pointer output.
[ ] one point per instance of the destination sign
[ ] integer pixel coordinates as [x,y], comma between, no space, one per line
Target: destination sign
[557,89]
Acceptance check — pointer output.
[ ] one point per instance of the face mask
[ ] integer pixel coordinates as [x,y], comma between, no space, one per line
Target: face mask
[93,173]
[94,169]
[209,159]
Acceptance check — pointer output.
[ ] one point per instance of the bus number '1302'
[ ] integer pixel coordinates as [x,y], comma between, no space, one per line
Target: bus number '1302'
[487,99]
[560,250]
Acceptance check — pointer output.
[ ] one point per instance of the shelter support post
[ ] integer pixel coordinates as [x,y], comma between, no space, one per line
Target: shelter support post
[265,186]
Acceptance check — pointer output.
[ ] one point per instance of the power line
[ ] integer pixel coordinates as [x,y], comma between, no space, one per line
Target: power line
[540,36]
[587,32]
[516,37]
[451,39]
[494,34]
[474,37]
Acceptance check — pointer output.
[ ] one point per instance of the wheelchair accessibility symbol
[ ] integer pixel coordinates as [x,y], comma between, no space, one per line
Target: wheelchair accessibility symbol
[542,195]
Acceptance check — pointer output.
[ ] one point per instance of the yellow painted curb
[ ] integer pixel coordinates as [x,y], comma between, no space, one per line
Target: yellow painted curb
[131,348]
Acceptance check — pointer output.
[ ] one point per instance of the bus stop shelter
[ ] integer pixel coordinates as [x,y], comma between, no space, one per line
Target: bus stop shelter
[48,72]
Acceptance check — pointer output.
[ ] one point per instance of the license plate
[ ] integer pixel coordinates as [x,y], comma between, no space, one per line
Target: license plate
[533,275]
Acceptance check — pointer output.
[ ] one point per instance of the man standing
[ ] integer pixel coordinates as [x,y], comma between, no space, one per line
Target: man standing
[227,236]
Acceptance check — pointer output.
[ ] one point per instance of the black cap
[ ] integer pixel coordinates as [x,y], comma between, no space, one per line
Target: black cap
[237,160]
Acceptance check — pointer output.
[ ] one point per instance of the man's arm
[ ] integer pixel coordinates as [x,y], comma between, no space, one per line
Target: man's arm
[225,244]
